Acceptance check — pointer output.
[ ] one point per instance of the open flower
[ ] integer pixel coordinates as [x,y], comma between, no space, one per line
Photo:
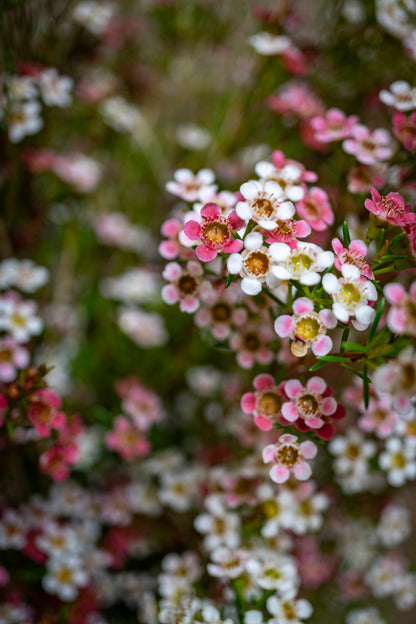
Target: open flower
[192,186]
[220,312]
[353,255]
[12,357]
[308,403]
[303,263]
[288,176]
[368,146]
[215,233]
[251,343]
[404,129]
[288,232]
[265,203]
[401,318]
[186,285]
[400,95]
[333,126]
[44,411]
[265,403]
[390,208]
[306,328]
[315,208]
[126,439]
[289,458]
[351,295]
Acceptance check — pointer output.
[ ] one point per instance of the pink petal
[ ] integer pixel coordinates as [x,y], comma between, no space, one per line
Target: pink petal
[322,346]
[192,230]
[308,449]
[211,210]
[263,423]
[169,294]
[302,471]
[263,382]
[394,293]
[328,318]
[279,474]
[189,305]
[283,325]
[234,246]
[329,405]
[359,246]
[170,228]
[292,388]
[314,423]
[268,453]
[302,305]
[205,254]
[168,250]
[326,432]
[248,403]
[289,411]
[316,384]
[235,221]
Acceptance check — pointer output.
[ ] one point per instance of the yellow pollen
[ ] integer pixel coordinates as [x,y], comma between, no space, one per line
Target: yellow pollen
[308,327]
[301,262]
[350,294]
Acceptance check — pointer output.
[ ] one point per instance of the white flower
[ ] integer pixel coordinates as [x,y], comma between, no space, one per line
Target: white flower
[227,563]
[400,95]
[24,119]
[384,575]
[394,526]
[55,89]
[18,318]
[121,115]
[352,452]
[287,610]
[146,329]
[289,178]
[58,541]
[64,576]
[405,592]
[94,16]
[221,528]
[21,88]
[267,44]
[192,137]
[351,295]
[23,274]
[13,530]
[266,204]
[304,263]
[399,461]
[192,186]
[364,616]
[272,571]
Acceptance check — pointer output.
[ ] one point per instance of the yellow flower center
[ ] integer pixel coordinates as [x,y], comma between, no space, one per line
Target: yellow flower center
[263,208]
[308,327]
[307,403]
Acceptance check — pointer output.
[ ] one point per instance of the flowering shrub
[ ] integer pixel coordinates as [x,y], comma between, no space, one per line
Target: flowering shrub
[208,368]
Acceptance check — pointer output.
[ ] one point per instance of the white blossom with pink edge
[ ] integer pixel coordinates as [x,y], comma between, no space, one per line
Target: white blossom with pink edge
[354,255]
[289,458]
[401,318]
[369,146]
[309,403]
[192,187]
[351,295]
[306,328]
[265,203]
[186,285]
[251,344]
[289,177]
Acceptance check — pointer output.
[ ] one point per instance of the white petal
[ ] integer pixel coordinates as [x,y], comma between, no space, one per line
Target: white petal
[295,193]
[254,240]
[286,211]
[279,252]
[281,272]
[330,283]
[243,211]
[325,259]
[250,286]
[310,279]
[235,263]
[340,312]
[364,314]
[250,190]
[268,225]
[350,271]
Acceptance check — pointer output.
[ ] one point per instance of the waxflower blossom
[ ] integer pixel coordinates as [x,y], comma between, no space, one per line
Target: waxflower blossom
[398,378]
[64,577]
[215,233]
[265,203]
[353,255]
[255,262]
[352,452]
[390,208]
[18,318]
[289,458]
[379,417]
[287,610]
[368,146]
[333,126]
[400,96]
[251,343]
[12,357]
[399,461]
[315,209]
[265,403]
[186,285]
[126,439]
[289,232]
[55,89]
[220,311]
[273,572]
[227,563]
[192,187]
[175,245]
[309,403]
[404,129]
[401,318]
[269,45]
[23,119]
[288,176]
[22,274]
[351,295]
[303,263]
[44,412]
[306,328]
[140,403]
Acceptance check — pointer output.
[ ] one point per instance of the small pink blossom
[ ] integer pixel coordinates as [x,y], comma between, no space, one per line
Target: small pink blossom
[186,287]
[308,403]
[296,98]
[289,458]
[220,311]
[404,129]
[214,233]
[401,318]
[333,126]
[289,232]
[12,357]
[306,328]
[280,161]
[390,208]
[362,177]
[265,403]
[56,461]
[379,417]
[43,412]
[368,146]
[353,255]
[316,209]
[174,246]
[126,440]
[251,344]
[140,403]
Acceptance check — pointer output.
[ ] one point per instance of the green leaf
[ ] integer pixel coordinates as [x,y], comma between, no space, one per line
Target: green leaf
[317,366]
[351,346]
[344,339]
[346,232]
[380,240]
[229,280]
[333,358]
[366,382]
[396,239]
[376,321]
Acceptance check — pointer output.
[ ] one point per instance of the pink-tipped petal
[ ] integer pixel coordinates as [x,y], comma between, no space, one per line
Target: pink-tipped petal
[263,381]
[302,305]
[263,423]
[322,346]
[205,254]
[211,211]
[289,411]
[192,230]
[268,453]
[234,246]
[308,449]
[316,384]
[302,471]
[292,388]
[329,405]
[279,474]
[248,403]
[394,293]
[283,325]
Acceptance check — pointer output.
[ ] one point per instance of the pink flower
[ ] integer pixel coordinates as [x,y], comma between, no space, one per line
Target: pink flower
[126,440]
[43,412]
[333,126]
[390,208]
[266,403]
[289,458]
[368,146]
[410,231]
[288,232]
[56,461]
[296,98]
[12,357]
[379,417]
[306,328]
[404,129]
[308,403]
[186,285]
[316,209]
[214,233]
[280,162]
[251,344]
[363,177]
[220,311]
[353,255]
[401,318]
[140,403]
